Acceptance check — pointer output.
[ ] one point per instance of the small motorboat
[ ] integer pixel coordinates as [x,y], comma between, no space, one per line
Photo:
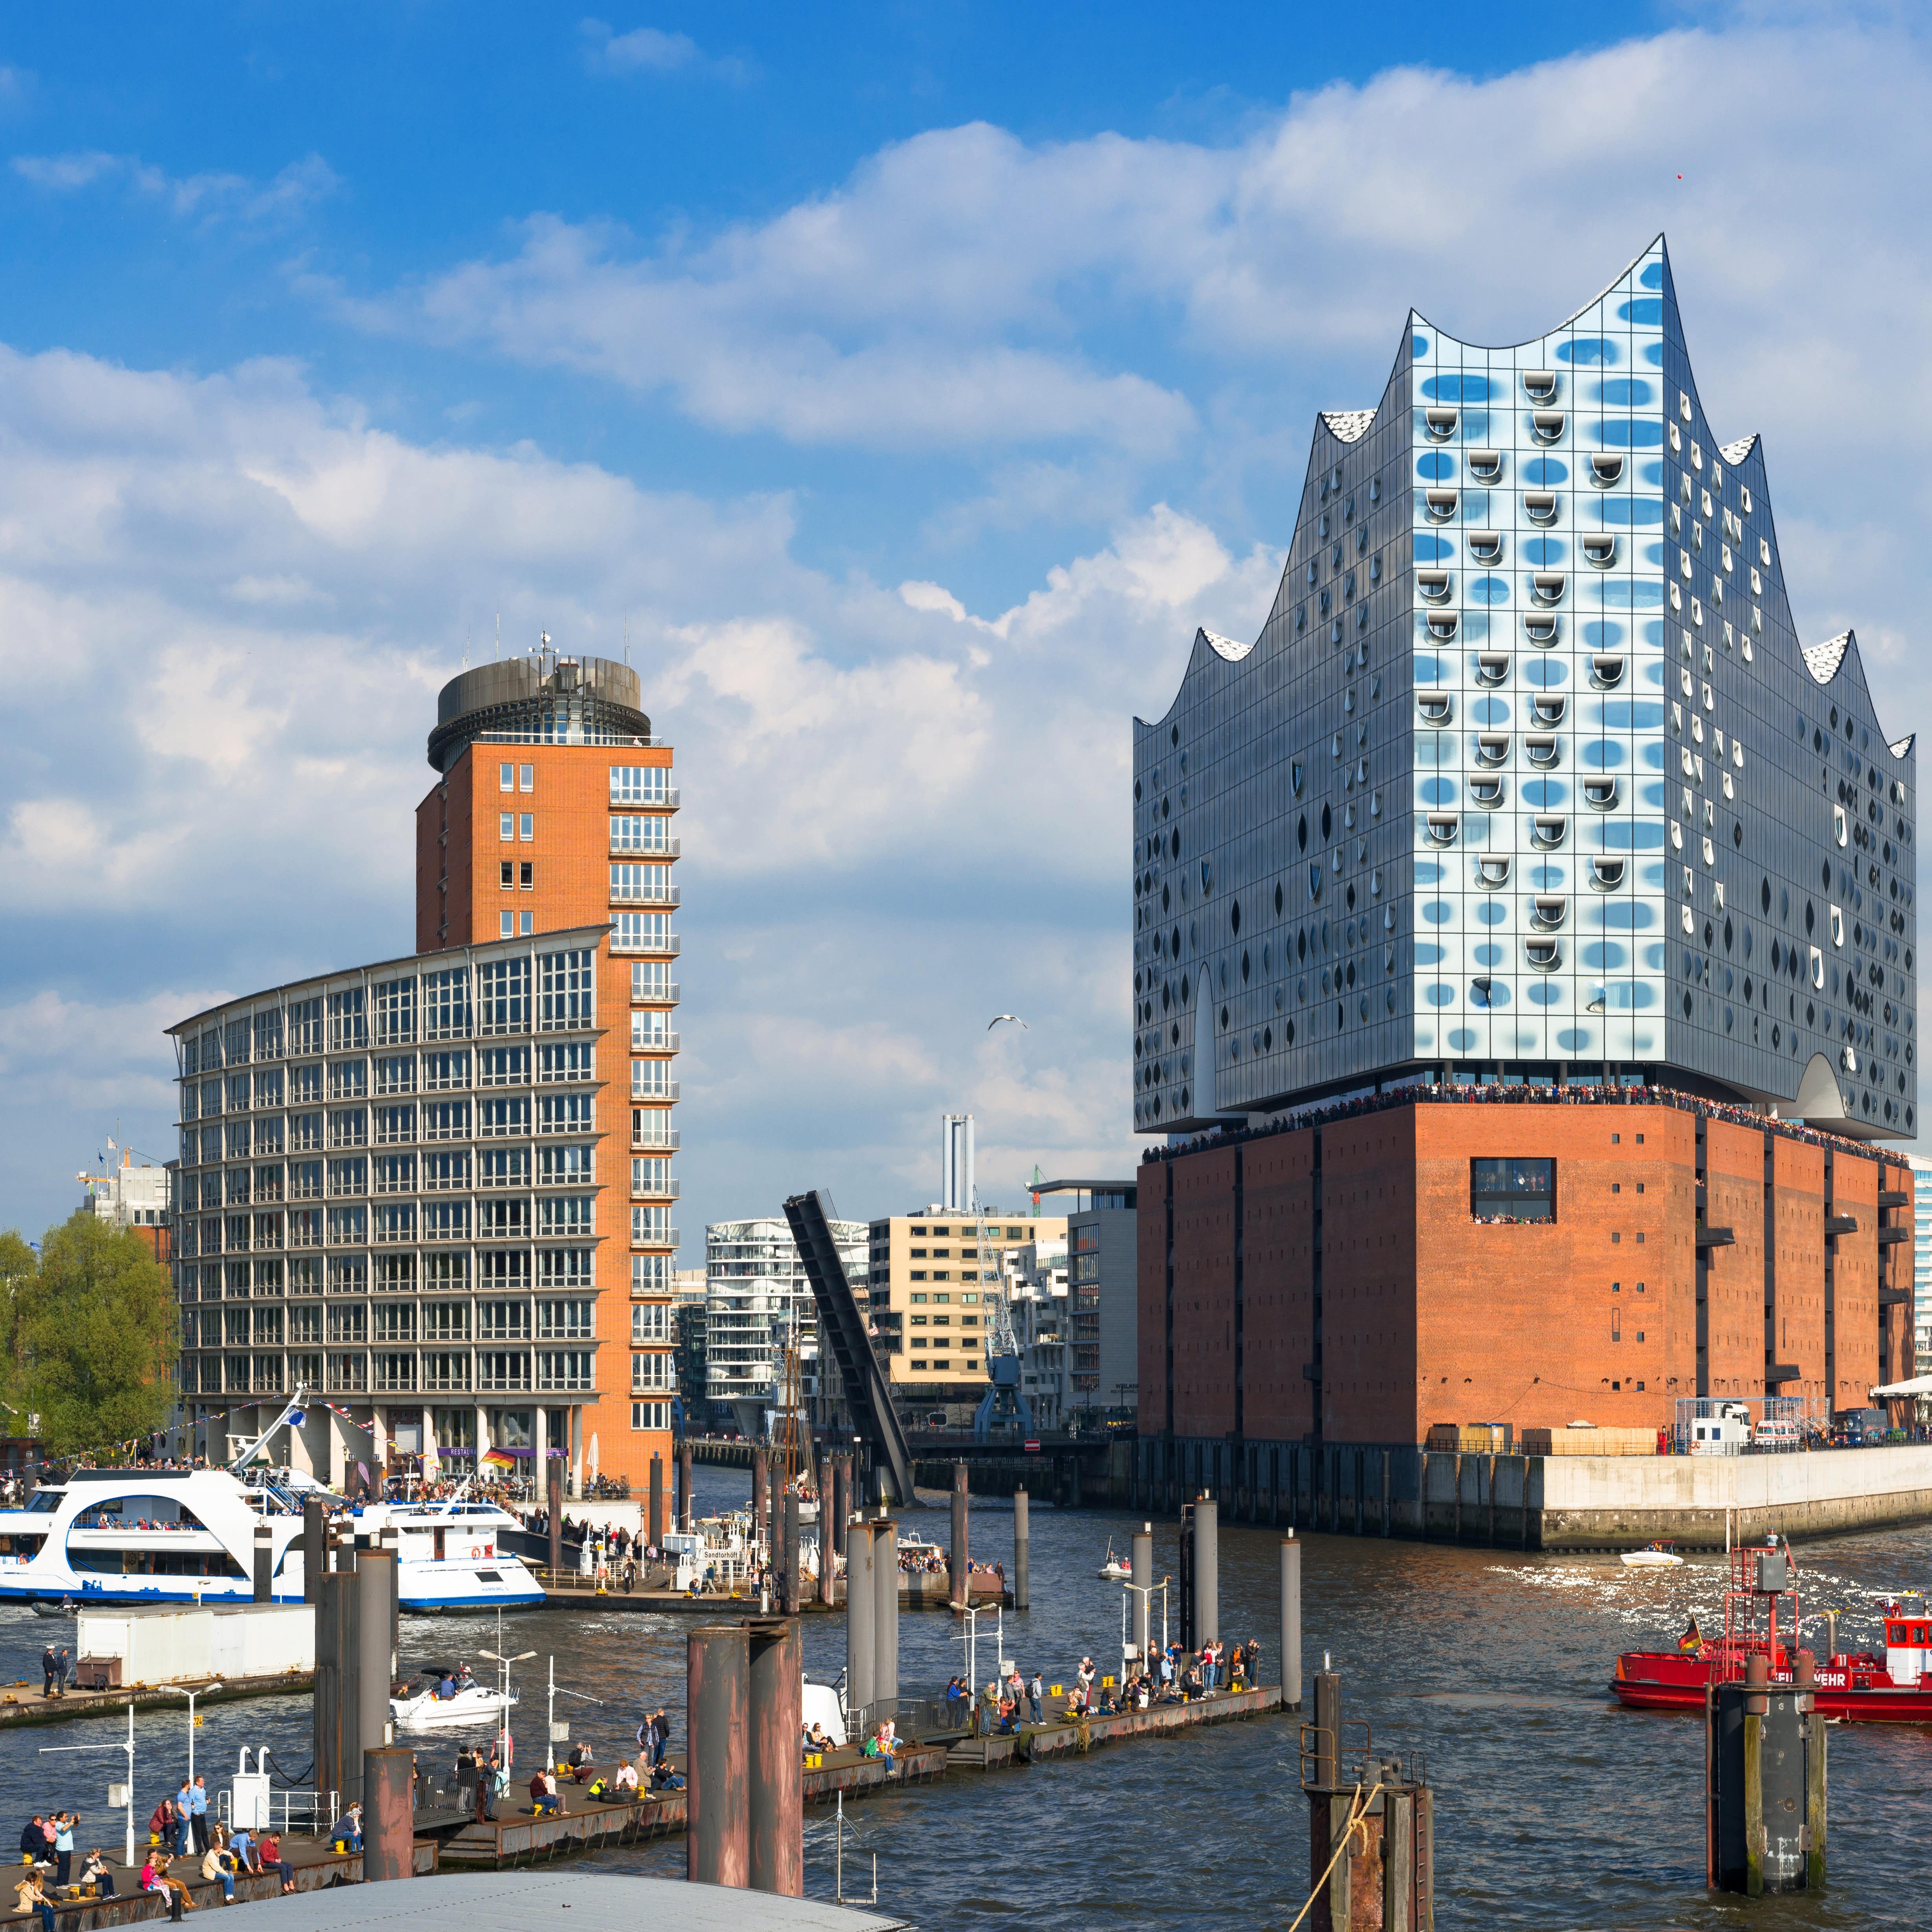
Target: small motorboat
[474,1707]
[65,1608]
[1653,1556]
[1113,1570]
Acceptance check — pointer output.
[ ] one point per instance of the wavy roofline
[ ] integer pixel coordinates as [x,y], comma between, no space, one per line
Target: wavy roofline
[1657,240]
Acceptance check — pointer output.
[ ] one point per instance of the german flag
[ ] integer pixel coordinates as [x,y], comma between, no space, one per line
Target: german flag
[1693,1639]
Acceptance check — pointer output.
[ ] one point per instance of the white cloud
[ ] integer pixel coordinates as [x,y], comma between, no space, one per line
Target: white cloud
[232,601]
[651,50]
[210,196]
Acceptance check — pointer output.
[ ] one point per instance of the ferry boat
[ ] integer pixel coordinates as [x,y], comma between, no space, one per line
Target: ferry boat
[188,1536]
[1858,1686]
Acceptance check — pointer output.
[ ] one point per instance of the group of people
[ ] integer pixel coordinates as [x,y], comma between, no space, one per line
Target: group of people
[452,1682]
[56,1668]
[177,1832]
[1464,1091]
[1170,1675]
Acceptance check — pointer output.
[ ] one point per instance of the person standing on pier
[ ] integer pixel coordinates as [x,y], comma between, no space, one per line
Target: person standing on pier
[184,1831]
[63,1847]
[198,1811]
[1036,1690]
[47,1671]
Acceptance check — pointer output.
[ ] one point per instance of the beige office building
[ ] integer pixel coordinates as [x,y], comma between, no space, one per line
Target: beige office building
[931,1275]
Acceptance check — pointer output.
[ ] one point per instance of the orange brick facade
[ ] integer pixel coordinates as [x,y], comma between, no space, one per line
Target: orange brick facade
[1332,1283]
[557,798]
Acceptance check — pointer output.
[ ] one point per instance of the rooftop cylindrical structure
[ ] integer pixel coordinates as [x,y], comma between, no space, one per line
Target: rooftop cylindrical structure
[542,698]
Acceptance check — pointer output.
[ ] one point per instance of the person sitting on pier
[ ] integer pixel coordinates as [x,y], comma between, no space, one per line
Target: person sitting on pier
[625,1784]
[272,1860]
[34,1899]
[663,1778]
[548,1800]
[248,1858]
[581,1761]
[350,1828]
[33,1838]
[219,1863]
[95,1873]
[179,1897]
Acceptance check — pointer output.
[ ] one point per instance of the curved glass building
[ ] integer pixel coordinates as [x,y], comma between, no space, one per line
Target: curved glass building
[1529,775]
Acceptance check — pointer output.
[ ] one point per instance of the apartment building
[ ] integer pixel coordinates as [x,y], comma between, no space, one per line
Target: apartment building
[439,1190]
[1103,1316]
[932,1275]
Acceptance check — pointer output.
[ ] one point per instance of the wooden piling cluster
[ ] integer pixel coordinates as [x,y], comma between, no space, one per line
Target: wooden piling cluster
[745,1795]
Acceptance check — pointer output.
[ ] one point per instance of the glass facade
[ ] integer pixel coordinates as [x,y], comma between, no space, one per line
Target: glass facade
[1529,772]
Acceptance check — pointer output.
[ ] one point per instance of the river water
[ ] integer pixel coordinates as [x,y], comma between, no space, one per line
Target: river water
[1555,1806]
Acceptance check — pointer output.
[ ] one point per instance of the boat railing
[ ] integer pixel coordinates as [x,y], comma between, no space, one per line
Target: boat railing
[913,1718]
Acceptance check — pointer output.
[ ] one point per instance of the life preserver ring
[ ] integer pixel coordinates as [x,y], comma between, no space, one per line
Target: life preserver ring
[476,1549]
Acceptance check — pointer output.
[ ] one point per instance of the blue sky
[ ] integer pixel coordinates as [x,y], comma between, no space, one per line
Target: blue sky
[904,383]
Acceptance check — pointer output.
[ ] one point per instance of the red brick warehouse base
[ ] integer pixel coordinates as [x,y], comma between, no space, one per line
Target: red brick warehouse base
[1694,1249]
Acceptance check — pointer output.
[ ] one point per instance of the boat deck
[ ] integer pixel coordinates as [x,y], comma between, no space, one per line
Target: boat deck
[21,1702]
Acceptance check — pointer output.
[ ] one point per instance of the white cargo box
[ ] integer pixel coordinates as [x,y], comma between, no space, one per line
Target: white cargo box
[187,1645]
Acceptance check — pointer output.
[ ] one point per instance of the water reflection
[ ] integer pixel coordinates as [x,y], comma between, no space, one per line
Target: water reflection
[1555,1807]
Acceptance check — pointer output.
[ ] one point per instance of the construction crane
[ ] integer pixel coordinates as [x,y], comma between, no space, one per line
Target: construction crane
[1005,1400]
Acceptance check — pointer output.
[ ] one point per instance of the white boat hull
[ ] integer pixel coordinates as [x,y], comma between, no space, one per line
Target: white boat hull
[473,1708]
[1651,1559]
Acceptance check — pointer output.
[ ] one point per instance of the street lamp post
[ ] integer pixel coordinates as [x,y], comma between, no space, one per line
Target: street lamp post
[206,1690]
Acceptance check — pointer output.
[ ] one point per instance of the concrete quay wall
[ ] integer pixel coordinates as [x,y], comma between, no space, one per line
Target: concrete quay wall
[1536,1502]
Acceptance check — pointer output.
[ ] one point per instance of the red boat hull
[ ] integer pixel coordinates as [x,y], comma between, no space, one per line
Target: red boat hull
[1856,1689]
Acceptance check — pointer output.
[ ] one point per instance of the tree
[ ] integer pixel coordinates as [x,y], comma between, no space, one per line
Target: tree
[18,1267]
[97,1336]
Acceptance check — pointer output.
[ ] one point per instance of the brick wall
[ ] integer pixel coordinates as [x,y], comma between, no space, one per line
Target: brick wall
[1429,1316]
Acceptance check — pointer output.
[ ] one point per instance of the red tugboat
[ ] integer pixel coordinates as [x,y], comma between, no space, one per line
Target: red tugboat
[1894,1689]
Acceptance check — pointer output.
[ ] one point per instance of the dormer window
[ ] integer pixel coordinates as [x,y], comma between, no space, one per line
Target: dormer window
[1442,625]
[1539,505]
[1601,794]
[1487,791]
[1493,747]
[1440,423]
[1549,710]
[1432,585]
[1605,470]
[1541,631]
[1435,707]
[1599,548]
[1546,834]
[1546,425]
[1440,826]
[1438,505]
[1606,875]
[1492,667]
[1540,385]
[1486,546]
[1492,872]
[1549,911]
[1607,671]
[1545,955]
[1542,749]
[1486,465]
[1547,586]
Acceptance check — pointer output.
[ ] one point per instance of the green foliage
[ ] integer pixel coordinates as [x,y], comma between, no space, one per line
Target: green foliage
[94,1334]
[17,1269]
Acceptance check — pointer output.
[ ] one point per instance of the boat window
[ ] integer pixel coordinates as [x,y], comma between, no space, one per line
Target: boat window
[1922,1633]
[44,1501]
[1513,1189]
[137,1512]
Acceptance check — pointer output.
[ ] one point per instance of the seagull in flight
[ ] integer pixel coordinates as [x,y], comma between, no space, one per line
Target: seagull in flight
[1014,1017]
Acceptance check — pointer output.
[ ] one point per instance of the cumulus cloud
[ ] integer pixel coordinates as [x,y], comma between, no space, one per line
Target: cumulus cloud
[232,600]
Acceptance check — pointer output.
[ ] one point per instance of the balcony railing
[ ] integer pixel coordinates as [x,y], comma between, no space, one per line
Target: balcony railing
[656,1237]
[670,943]
[667,1091]
[658,1190]
[669,849]
[657,1043]
[660,895]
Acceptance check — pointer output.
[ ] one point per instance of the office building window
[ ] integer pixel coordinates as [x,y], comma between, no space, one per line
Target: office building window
[526,925]
[650,1415]
[506,826]
[639,785]
[506,927]
[527,778]
[506,779]
[527,826]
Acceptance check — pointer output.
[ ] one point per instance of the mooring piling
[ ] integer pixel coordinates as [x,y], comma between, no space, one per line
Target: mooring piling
[957,1561]
[775,1802]
[1291,1623]
[1021,1581]
[717,1847]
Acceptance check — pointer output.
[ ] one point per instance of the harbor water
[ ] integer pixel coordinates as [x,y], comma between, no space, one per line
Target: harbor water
[1555,1808]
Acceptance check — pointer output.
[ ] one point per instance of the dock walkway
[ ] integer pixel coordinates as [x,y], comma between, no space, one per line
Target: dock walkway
[22,1703]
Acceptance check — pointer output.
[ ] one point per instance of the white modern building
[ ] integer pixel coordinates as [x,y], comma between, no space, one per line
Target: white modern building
[757,1299]
[128,1196]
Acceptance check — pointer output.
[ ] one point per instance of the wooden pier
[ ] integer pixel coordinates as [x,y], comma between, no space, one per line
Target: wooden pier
[22,1703]
[918,1590]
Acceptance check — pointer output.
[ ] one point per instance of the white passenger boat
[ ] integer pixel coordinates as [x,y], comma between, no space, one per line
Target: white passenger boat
[474,1707]
[188,1536]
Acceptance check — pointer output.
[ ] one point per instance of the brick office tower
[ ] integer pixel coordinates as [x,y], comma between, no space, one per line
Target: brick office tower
[437,1188]
[1527,797]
